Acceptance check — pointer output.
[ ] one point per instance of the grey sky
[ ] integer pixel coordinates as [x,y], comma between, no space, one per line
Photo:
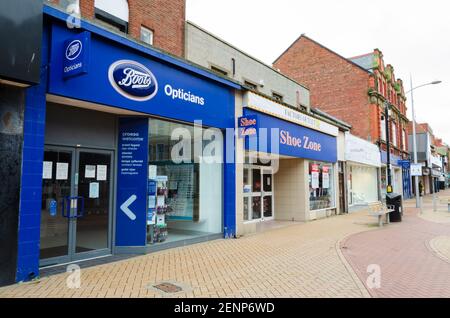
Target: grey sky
[413,35]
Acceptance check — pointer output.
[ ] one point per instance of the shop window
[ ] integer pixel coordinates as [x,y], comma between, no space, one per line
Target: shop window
[146,35]
[404,139]
[114,14]
[321,186]
[394,134]
[185,187]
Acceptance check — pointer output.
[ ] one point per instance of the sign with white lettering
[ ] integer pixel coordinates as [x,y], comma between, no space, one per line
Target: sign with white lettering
[132,174]
[416,170]
[272,108]
[76,55]
[276,136]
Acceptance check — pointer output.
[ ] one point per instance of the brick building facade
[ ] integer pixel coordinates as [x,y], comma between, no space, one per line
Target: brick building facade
[165,20]
[353,90]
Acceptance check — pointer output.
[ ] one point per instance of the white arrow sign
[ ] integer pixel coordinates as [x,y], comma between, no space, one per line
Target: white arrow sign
[126,207]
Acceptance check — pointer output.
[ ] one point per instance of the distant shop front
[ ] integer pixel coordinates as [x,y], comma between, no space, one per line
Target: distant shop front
[289,165]
[363,168]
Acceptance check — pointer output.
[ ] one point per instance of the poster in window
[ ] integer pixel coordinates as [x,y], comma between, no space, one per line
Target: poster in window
[315,180]
[326,177]
[48,170]
[62,171]
[326,180]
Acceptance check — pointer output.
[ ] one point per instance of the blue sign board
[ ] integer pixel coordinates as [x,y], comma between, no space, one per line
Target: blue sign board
[395,160]
[248,126]
[276,136]
[405,164]
[76,55]
[126,78]
[132,184]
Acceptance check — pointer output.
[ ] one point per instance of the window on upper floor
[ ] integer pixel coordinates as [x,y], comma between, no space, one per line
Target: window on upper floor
[277,97]
[112,13]
[251,85]
[404,140]
[146,35]
[394,134]
[383,128]
[219,70]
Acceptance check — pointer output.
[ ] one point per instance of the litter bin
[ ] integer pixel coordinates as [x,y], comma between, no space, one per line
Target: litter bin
[395,200]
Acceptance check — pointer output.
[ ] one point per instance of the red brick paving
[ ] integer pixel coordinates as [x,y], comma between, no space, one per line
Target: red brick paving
[408,266]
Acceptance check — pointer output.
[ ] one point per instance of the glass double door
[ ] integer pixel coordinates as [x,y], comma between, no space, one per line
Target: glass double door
[76,205]
[258,193]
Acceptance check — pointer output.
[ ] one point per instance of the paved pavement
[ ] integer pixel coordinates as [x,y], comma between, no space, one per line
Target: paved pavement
[325,258]
[414,256]
[301,260]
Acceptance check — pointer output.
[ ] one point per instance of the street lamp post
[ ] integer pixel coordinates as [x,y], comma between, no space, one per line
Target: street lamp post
[416,179]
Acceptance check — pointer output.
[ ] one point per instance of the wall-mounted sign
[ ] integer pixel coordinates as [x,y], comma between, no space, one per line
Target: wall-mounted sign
[426,171]
[394,158]
[132,184]
[128,78]
[248,126]
[405,164]
[416,170]
[361,151]
[133,80]
[276,136]
[76,55]
[264,105]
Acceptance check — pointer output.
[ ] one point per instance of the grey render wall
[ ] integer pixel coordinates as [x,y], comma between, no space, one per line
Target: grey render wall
[207,50]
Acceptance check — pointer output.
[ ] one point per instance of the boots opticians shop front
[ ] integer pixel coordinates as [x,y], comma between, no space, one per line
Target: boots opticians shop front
[101,131]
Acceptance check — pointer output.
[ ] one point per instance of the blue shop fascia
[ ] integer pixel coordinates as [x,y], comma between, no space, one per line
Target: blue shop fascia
[98,178]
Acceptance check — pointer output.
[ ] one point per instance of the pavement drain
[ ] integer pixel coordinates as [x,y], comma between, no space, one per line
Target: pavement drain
[169,288]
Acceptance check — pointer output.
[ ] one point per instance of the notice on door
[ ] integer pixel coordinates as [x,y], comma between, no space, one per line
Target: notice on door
[94,190]
[62,171]
[102,173]
[89,172]
[47,172]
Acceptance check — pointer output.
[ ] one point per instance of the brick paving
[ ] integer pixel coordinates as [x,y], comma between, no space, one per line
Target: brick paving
[301,260]
[412,255]
[325,258]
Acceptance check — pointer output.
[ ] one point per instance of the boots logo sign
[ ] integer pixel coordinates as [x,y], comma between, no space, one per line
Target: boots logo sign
[74,50]
[133,80]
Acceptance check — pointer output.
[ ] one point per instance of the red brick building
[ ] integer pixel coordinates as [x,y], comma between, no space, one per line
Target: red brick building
[353,90]
[157,22]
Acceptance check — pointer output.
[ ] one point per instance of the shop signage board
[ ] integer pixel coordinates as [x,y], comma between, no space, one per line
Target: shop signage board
[76,55]
[132,174]
[416,170]
[264,105]
[248,126]
[361,151]
[125,78]
[394,159]
[405,164]
[276,136]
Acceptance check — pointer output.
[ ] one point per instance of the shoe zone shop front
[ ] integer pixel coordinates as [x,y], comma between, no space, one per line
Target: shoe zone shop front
[290,170]
[101,130]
